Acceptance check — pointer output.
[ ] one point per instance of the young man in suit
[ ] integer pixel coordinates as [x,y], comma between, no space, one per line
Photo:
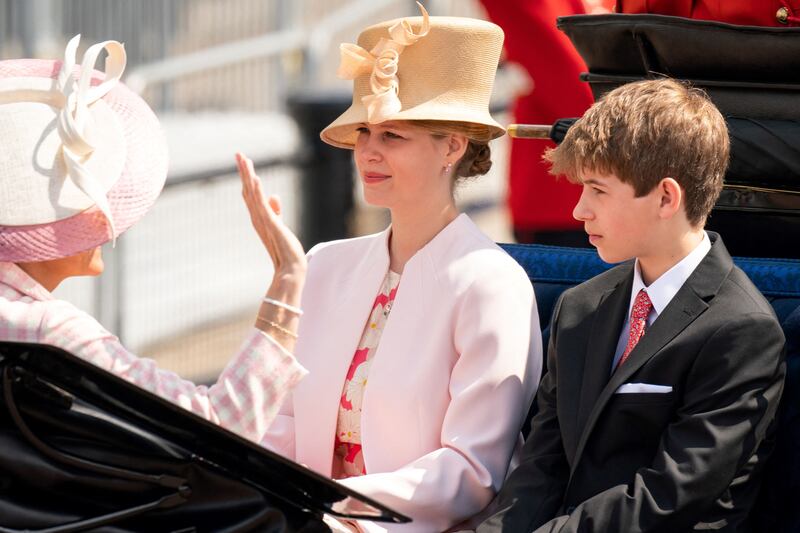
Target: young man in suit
[664,373]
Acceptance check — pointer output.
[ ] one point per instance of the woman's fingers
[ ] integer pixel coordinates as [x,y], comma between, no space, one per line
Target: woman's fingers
[271,227]
[254,200]
[248,186]
[284,248]
[275,204]
[273,218]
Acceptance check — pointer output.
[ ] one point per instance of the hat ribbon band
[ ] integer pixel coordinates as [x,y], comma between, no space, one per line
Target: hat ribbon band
[381,63]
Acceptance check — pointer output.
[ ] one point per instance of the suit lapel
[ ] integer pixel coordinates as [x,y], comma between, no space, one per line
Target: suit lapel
[688,304]
[602,344]
[684,308]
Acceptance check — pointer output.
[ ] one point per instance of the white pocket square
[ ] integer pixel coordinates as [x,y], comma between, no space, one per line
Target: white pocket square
[637,388]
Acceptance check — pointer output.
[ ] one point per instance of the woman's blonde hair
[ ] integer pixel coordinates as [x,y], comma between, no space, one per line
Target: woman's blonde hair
[477,160]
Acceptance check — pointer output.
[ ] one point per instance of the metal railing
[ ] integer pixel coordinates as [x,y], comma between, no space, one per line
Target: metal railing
[313,41]
[199,54]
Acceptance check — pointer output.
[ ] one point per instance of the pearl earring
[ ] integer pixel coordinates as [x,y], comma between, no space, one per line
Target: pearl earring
[448,167]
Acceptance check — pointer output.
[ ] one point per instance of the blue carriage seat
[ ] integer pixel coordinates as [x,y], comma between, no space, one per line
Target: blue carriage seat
[552,269]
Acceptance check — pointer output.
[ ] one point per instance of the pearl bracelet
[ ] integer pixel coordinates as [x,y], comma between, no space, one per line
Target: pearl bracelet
[283,305]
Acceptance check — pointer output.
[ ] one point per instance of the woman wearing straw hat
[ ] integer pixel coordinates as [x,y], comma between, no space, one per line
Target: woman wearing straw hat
[431,313]
[83,159]
[422,342]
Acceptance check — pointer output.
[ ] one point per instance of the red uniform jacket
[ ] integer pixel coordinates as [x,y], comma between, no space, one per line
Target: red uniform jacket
[744,12]
[537,200]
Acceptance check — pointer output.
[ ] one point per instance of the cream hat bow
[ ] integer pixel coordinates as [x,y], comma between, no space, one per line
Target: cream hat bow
[446,73]
[381,63]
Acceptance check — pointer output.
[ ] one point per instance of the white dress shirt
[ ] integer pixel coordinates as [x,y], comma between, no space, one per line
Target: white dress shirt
[661,291]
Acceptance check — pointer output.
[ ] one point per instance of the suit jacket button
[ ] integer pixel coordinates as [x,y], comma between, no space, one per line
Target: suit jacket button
[782,15]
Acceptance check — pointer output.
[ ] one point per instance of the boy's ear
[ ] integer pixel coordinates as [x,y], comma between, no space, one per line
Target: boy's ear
[670,197]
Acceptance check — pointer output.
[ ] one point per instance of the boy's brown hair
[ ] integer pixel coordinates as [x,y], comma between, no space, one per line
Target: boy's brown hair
[646,131]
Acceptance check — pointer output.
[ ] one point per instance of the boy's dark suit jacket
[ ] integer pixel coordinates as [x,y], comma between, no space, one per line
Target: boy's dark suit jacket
[690,458]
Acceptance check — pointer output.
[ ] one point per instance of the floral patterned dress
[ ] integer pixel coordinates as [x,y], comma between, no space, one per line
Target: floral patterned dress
[348,460]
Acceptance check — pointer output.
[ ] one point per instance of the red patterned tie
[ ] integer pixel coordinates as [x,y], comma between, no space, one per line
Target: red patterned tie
[641,309]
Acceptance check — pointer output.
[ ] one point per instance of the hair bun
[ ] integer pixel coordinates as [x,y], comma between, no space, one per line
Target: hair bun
[476,161]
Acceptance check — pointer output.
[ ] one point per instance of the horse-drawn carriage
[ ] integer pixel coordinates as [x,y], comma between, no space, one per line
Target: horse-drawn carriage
[82,450]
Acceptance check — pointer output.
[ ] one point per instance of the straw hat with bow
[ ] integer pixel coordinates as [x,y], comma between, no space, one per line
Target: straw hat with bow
[420,68]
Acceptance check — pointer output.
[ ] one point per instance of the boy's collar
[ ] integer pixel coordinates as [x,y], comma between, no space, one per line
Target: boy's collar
[663,289]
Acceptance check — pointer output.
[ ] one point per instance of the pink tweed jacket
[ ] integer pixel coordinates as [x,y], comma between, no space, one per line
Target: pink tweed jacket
[245,399]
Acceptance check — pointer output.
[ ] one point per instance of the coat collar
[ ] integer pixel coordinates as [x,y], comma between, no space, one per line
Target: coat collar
[688,304]
[439,245]
[16,278]
[337,332]
[662,290]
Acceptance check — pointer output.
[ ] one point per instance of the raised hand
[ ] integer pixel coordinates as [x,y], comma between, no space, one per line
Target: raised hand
[286,253]
[282,245]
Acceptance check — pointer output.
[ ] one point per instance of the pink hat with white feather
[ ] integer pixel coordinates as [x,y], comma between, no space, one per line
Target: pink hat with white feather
[82,157]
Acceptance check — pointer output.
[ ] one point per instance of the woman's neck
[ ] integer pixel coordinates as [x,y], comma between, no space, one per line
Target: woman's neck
[46,277]
[412,231]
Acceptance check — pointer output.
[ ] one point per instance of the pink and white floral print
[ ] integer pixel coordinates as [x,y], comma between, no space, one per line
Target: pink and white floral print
[348,459]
